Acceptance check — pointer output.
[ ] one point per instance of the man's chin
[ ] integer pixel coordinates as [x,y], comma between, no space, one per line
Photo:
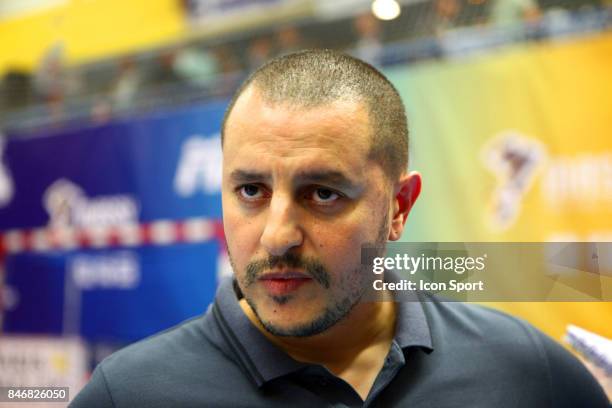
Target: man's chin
[290,323]
[289,318]
[286,322]
[292,330]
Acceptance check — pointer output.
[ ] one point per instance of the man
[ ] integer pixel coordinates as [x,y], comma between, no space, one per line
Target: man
[315,148]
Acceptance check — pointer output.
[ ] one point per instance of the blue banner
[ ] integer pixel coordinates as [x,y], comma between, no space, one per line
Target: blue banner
[167,166]
[135,172]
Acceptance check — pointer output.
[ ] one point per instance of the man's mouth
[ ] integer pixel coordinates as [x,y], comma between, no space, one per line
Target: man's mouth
[283,283]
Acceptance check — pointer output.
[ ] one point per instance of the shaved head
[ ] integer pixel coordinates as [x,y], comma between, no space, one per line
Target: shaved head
[315,78]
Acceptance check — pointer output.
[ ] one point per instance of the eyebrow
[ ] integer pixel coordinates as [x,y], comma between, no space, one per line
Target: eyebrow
[247,176]
[333,177]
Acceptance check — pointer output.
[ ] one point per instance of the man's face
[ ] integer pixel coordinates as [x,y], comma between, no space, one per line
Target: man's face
[300,198]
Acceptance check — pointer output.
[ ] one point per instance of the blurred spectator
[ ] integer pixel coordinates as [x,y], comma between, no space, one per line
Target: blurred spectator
[260,51]
[48,76]
[506,13]
[196,66]
[126,84]
[161,69]
[52,81]
[369,45]
[228,63]
[16,89]
[446,14]
[229,68]
[289,40]
[101,110]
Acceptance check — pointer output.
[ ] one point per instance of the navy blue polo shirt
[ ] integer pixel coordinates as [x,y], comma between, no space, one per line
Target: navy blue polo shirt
[444,354]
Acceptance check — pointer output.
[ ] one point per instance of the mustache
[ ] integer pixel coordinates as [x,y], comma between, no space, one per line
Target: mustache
[311,266]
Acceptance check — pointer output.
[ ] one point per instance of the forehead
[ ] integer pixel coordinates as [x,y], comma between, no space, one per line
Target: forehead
[256,129]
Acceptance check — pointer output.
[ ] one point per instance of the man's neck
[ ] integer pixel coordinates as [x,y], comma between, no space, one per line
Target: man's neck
[353,349]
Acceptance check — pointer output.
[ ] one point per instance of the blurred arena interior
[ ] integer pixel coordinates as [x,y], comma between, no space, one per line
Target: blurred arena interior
[109,120]
[223,41]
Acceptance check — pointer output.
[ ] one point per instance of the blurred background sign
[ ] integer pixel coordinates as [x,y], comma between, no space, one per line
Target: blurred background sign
[111,229]
[162,166]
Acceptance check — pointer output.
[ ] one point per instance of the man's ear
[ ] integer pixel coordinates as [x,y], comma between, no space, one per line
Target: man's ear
[406,191]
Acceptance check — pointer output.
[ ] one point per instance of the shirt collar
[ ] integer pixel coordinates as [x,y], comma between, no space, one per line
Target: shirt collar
[260,357]
[264,361]
[412,328]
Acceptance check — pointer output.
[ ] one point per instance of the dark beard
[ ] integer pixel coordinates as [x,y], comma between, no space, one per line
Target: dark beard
[333,313]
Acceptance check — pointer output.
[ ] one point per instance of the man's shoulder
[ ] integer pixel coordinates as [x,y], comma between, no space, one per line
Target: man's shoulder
[492,345]
[163,369]
[473,320]
[476,326]
[182,344]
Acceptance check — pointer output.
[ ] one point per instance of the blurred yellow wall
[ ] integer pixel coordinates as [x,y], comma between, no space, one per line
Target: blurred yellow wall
[556,93]
[89,29]
[553,317]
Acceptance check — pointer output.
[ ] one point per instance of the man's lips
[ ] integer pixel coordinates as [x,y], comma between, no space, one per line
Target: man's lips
[283,283]
[284,275]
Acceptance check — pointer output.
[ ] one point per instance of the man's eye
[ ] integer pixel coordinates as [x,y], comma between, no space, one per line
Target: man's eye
[324,195]
[250,192]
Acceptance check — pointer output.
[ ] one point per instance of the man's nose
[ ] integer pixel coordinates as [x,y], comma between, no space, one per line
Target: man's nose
[282,231]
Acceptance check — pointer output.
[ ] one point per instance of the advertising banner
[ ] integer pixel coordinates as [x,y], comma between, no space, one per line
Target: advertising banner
[112,232]
[515,146]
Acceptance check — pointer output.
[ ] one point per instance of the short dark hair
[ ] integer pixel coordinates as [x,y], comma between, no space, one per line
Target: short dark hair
[317,77]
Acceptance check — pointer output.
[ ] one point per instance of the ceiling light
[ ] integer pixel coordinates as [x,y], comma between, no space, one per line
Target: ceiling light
[386,9]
